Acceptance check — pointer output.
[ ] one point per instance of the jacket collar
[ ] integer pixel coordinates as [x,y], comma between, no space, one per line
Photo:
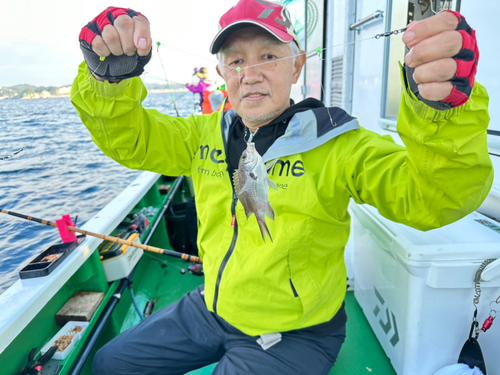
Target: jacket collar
[311,125]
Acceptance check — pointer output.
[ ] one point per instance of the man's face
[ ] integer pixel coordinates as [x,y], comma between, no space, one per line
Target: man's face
[260,92]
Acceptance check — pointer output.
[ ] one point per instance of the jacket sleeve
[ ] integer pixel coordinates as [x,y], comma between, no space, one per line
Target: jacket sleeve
[195,88]
[135,137]
[443,174]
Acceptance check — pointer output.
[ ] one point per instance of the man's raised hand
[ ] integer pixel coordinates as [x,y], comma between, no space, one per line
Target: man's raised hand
[122,36]
[442,60]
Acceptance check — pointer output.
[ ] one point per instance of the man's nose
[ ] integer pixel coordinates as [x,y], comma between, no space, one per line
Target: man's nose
[251,75]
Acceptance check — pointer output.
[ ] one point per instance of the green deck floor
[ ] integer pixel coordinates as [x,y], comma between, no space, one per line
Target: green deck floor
[360,354]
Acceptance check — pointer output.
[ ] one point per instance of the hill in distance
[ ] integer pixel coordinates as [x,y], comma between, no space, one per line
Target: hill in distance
[37,92]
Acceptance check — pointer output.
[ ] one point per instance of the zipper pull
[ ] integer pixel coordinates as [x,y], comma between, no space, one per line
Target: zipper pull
[233,222]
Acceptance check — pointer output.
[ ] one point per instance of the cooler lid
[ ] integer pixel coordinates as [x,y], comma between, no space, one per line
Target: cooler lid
[474,237]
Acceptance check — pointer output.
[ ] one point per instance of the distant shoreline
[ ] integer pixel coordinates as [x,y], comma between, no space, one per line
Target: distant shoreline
[50,96]
[29,92]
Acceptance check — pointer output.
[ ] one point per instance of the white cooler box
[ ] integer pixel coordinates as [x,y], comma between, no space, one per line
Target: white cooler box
[416,288]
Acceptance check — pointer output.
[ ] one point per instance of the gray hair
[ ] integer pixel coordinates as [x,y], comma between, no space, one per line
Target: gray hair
[294,49]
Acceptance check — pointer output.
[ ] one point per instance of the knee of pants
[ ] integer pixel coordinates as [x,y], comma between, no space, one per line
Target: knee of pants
[101,364]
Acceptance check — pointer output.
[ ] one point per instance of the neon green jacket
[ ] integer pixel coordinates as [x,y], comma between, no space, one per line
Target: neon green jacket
[299,280]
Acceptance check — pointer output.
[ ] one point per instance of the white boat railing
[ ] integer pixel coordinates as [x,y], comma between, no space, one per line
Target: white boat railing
[23,300]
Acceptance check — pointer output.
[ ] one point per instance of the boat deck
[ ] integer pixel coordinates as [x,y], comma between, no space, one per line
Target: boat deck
[360,354]
[156,278]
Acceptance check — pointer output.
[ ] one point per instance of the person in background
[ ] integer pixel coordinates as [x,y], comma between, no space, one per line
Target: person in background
[204,85]
[216,98]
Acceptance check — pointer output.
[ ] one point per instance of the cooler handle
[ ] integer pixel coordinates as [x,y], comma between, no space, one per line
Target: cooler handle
[491,271]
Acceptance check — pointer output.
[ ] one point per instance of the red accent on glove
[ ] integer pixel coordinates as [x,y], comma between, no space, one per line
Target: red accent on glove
[87,35]
[107,17]
[467,60]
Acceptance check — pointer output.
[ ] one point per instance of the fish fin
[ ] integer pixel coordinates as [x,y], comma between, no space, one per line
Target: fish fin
[271,164]
[272,184]
[245,187]
[270,211]
[264,230]
[248,213]
[236,181]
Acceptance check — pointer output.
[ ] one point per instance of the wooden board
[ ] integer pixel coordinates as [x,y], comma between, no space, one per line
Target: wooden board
[80,307]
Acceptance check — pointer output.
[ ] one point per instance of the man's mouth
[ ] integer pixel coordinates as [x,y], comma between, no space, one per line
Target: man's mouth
[254,95]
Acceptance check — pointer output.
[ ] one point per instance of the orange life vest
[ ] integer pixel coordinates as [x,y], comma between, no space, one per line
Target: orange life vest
[207,107]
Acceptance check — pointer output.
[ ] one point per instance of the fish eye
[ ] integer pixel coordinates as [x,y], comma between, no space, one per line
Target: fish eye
[244,156]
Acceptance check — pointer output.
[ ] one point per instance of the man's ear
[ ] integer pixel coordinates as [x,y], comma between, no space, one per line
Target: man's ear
[218,71]
[300,60]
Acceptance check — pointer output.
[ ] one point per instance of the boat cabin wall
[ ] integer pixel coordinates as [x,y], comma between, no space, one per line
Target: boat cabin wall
[362,75]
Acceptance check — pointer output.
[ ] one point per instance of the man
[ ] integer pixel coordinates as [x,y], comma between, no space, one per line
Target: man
[277,307]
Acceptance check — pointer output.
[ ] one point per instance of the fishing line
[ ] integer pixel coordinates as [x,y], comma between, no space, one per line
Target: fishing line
[196,103]
[192,54]
[447,5]
[163,79]
[179,83]
[49,120]
[250,135]
[146,72]
[166,78]
[238,69]
[59,111]
[316,52]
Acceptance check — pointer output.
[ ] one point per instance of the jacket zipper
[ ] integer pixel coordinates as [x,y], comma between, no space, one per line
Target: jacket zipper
[234,222]
[295,294]
[229,252]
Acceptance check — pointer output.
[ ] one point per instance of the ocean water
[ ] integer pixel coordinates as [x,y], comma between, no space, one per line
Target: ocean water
[61,171]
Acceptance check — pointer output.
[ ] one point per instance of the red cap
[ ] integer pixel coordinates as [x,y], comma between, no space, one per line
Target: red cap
[269,15]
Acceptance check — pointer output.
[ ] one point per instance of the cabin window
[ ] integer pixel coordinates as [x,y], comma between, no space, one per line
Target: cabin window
[307,18]
[297,9]
[339,54]
[314,40]
[401,13]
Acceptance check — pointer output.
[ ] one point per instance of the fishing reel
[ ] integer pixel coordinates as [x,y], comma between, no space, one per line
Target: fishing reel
[194,269]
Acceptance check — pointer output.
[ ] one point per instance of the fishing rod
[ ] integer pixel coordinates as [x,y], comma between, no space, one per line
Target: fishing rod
[175,254]
[166,79]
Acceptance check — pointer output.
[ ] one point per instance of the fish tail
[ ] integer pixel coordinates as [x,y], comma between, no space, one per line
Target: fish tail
[264,230]
[269,211]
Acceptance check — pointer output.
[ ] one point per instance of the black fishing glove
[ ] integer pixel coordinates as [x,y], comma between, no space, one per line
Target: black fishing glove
[463,82]
[113,67]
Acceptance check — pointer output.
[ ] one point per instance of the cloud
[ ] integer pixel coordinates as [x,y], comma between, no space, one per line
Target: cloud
[39,39]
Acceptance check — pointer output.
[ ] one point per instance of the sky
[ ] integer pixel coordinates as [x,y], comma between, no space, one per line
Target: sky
[39,38]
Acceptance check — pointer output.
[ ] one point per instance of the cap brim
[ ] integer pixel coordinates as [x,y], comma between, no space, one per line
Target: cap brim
[224,33]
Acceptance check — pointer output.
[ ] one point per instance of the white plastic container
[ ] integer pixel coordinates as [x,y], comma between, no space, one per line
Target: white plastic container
[416,288]
[119,267]
[65,330]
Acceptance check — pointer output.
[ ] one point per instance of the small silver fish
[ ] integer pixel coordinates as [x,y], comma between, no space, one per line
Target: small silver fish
[251,184]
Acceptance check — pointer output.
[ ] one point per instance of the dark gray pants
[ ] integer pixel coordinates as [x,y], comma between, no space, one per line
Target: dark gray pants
[185,336]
